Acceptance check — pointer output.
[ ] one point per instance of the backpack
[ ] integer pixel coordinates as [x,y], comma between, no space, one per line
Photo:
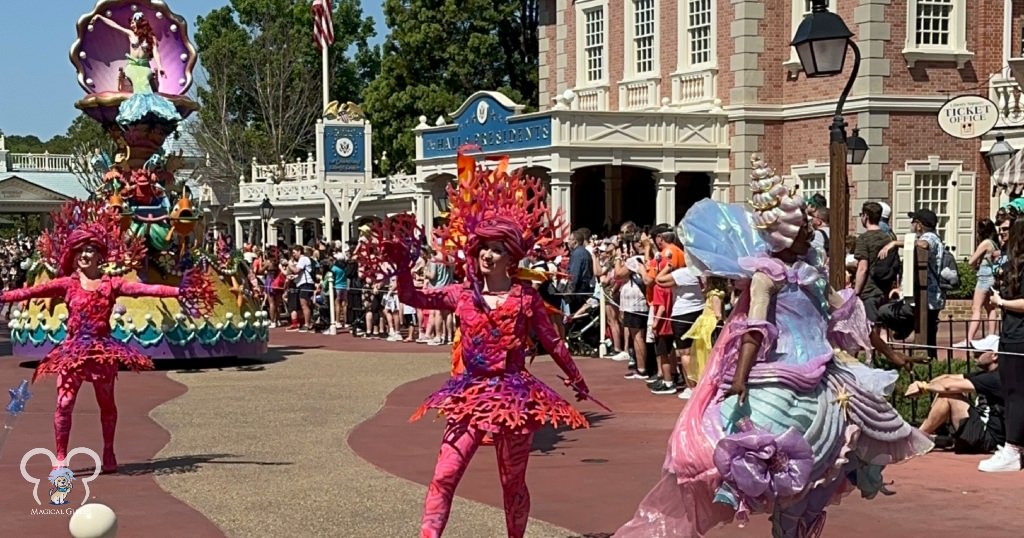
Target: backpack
[949,272]
[825,235]
[886,270]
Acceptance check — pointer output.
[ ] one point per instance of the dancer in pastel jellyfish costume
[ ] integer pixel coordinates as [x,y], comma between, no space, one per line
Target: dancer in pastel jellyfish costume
[784,421]
[502,216]
[142,52]
[87,236]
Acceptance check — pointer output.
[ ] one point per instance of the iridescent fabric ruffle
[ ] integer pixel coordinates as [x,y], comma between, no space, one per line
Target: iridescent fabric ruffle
[510,403]
[74,356]
[140,105]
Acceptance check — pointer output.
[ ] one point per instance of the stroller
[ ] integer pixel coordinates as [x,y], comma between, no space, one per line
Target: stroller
[583,331]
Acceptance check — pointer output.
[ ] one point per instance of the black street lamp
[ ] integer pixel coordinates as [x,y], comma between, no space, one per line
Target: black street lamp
[1000,153]
[821,41]
[266,213]
[856,148]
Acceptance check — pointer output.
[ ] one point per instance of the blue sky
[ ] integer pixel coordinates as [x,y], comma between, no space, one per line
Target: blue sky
[39,90]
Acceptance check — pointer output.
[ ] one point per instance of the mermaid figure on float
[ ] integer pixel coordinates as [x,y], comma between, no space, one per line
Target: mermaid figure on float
[785,421]
[142,50]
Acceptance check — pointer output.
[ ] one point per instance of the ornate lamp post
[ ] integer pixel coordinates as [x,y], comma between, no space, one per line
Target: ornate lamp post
[266,213]
[821,41]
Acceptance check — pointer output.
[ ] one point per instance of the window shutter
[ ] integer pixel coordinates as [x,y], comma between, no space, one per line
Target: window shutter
[902,201]
[962,233]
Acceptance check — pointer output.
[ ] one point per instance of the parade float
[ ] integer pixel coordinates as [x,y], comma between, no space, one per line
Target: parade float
[135,62]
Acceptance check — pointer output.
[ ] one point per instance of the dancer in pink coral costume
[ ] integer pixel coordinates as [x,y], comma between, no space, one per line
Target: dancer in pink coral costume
[494,394]
[784,421]
[89,353]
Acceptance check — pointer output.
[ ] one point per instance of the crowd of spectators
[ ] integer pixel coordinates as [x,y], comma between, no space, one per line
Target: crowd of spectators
[15,257]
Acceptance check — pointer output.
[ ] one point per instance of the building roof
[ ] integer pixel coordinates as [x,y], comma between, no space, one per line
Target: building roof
[62,183]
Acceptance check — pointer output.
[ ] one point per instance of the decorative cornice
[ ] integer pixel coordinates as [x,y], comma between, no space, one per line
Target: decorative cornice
[817,109]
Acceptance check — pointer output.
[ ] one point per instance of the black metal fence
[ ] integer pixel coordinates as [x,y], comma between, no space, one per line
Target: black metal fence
[945,359]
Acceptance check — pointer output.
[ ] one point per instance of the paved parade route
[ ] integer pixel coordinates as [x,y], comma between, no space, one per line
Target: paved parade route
[311,441]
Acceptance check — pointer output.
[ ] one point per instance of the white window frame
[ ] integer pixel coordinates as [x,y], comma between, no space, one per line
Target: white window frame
[955,51]
[595,92]
[812,168]
[686,72]
[685,50]
[583,6]
[629,56]
[799,10]
[961,202]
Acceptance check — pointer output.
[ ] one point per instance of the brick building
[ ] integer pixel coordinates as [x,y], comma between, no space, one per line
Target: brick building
[730,61]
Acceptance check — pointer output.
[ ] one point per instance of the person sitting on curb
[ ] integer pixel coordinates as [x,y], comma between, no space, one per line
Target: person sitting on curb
[976,424]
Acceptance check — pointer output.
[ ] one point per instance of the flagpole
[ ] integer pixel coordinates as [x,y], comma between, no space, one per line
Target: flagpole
[323,62]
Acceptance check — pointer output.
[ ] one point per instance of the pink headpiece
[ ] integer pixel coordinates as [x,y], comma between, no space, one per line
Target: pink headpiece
[778,211]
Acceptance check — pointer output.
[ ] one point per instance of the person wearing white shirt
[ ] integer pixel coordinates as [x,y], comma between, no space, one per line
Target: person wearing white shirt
[301,269]
[687,305]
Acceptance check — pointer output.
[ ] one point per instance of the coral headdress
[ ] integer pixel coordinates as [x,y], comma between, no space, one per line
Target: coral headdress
[779,213]
[79,224]
[495,205]
[487,205]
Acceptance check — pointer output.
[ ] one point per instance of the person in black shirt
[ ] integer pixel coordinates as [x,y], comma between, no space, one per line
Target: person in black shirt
[1011,354]
[978,425]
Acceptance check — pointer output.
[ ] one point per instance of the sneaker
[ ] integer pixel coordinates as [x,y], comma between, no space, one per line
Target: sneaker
[620,356]
[292,328]
[653,378]
[1006,459]
[436,342]
[633,374]
[663,388]
[686,394]
[989,343]
[393,338]
[962,344]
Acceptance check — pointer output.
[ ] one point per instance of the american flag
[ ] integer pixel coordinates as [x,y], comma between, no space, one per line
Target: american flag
[323,27]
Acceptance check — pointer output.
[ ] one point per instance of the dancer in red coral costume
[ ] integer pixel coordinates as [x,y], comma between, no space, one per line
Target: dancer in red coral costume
[503,216]
[84,242]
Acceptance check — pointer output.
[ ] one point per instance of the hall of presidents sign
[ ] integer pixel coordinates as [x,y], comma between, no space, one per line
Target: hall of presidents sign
[486,123]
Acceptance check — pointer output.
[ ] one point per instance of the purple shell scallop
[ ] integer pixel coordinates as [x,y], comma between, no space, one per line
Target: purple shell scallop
[100,52]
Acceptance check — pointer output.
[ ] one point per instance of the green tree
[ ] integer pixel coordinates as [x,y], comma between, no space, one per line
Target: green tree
[261,95]
[441,51]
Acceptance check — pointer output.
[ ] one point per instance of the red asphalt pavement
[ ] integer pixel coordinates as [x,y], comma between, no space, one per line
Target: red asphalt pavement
[590,481]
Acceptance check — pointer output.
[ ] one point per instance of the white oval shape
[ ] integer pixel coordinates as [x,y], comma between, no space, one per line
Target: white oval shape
[968,116]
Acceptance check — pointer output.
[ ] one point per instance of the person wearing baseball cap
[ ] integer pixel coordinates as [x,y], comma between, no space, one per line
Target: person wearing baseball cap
[924,222]
[886,213]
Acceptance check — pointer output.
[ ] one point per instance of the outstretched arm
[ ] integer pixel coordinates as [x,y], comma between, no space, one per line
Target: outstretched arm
[548,337]
[47,290]
[112,24]
[138,289]
[432,299]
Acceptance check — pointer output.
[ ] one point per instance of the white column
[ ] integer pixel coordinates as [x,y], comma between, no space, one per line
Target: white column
[298,232]
[665,203]
[561,193]
[272,232]
[239,233]
[1008,45]
[328,220]
[720,186]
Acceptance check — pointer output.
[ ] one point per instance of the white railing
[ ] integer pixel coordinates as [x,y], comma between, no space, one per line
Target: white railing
[591,99]
[300,170]
[312,191]
[694,87]
[639,94]
[1006,94]
[40,162]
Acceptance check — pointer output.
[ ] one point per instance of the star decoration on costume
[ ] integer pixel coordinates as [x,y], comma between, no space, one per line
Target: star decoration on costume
[843,398]
[19,396]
